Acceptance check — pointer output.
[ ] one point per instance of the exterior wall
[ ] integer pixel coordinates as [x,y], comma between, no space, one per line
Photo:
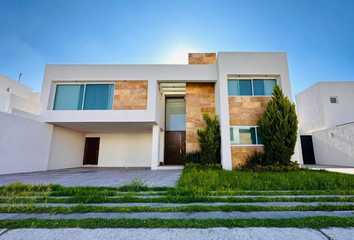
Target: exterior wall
[130,95]
[201,58]
[245,111]
[14,95]
[343,111]
[67,149]
[246,64]
[336,148]
[240,153]
[124,149]
[24,144]
[112,73]
[310,110]
[200,98]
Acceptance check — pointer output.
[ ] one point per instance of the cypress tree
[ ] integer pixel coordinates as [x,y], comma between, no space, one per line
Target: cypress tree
[278,127]
[210,140]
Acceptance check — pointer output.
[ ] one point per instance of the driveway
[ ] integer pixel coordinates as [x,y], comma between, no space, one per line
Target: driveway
[330,168]
[111,177]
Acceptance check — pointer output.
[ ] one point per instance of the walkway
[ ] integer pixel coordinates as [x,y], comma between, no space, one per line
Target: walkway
[90,176]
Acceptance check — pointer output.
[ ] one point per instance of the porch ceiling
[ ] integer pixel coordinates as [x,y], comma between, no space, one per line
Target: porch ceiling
[169,89]
[106,127]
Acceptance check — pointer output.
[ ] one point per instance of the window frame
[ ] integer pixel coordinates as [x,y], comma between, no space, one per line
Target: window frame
[247,145]
[252,87]
[83,96]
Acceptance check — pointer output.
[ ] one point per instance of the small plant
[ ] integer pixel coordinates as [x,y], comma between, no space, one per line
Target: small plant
[135,186]
[256,158]
[192,157]
[210,140]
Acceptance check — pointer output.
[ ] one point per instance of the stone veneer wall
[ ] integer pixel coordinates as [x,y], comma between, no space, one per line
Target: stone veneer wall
[200,98]
[201,58]
[130,95]
[245,111]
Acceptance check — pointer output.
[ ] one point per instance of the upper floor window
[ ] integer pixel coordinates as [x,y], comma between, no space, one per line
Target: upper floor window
[84,97]
[333,99]
[251,87]
[242,135]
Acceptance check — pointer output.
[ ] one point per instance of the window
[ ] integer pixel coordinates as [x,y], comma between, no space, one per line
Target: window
[84,96]
[333,99]
[175,114]
[245,136]
[251,87]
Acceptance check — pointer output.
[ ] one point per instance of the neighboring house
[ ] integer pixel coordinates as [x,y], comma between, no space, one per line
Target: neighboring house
[17,98]
[148,115]
[326,116]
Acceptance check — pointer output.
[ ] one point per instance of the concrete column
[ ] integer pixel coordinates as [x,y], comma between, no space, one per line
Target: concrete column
[155,147]
[223,111]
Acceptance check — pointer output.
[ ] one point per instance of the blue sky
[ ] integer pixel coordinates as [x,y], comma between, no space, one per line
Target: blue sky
[318,35]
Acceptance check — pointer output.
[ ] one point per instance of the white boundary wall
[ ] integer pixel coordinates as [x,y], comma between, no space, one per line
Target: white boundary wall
[24,144]
[335,146]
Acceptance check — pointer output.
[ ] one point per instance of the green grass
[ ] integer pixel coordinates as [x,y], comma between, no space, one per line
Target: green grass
[187,209]
[199,180]
[308,222]
[170,199]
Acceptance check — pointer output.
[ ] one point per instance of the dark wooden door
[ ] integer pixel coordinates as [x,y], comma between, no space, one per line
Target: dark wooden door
[307,150]
[175,147]
[92,146]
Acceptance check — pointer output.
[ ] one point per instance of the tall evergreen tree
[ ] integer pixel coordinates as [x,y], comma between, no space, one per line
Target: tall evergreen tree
[278,127]
[210,140]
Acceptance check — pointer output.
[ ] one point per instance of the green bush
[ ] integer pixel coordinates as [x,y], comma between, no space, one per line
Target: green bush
[255,159]
[210,140]
[278,127]
[270,168]
[192,157]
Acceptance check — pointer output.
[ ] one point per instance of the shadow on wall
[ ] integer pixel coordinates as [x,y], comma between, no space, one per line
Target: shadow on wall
[335,146]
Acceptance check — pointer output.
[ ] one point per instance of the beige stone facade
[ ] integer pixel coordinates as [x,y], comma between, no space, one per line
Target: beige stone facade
[239,153]
[201,58]
[200,98]
[130,95]
[245,111]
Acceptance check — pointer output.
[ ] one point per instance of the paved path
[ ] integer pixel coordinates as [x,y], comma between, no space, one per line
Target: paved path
[181,215]
[186,234]
[88,176]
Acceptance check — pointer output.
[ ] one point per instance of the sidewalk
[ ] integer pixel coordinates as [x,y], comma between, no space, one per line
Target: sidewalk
[186,234]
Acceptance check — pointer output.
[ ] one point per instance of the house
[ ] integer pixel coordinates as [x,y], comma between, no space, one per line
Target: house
[326,123]
[148,115]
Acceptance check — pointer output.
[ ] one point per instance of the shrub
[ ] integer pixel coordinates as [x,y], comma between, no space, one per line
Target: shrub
[210,140]
[278,127]
[256,158]
[270,168]
[192,157]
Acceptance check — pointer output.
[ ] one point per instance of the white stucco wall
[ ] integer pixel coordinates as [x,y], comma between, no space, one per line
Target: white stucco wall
[67,149]
[24,144]
[310,110]
[336,149]
[124,149]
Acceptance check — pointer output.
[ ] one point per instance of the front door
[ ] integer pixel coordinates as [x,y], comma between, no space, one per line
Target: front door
[175,133]
[92,146]
[175,147]
[307,150]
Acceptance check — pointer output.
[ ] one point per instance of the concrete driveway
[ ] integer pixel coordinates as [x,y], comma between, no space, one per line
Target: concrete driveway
[88,176]
[330,168]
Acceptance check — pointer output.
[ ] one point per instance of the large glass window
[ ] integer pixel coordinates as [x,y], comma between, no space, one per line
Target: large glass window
[84,96]
[98,96]
[175,114]
[241,87]
[263,87]
[251,87]
[245,136]
[69,97]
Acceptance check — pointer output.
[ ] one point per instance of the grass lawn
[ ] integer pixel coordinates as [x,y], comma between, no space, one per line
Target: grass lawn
[201,180]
